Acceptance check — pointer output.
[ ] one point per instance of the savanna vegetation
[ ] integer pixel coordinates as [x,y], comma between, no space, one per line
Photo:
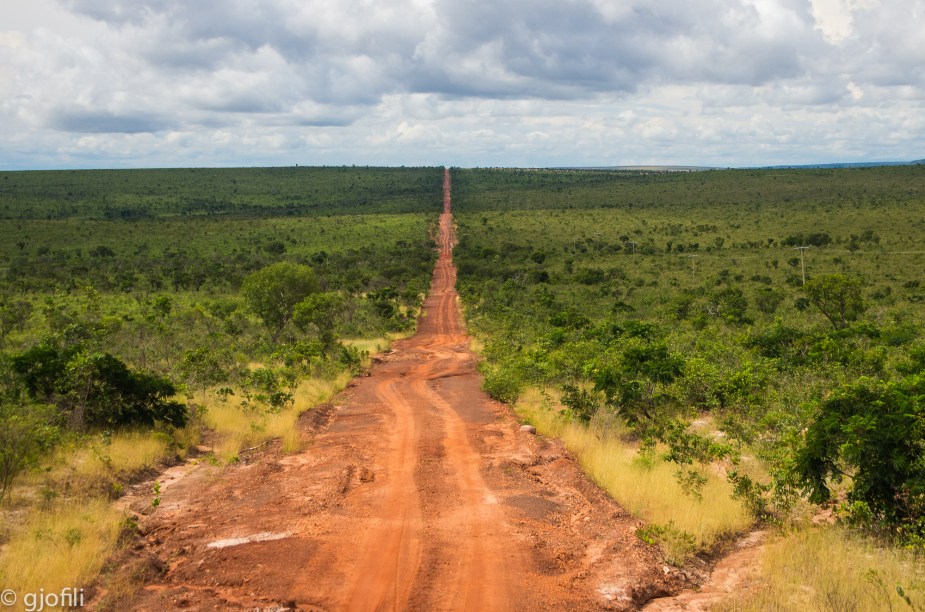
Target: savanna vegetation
[745,346]
[147,313]
[720,349]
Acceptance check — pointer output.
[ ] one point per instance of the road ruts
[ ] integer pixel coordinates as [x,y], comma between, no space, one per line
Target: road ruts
[474,578]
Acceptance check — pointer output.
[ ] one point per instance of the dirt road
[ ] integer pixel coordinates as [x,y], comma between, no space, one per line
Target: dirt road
[416,491]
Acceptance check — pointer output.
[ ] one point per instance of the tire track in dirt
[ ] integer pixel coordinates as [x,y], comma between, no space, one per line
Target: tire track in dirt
[418,492]
[392,548]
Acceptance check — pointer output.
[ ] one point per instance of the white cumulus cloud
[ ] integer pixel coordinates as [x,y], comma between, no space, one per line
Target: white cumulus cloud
[523,82]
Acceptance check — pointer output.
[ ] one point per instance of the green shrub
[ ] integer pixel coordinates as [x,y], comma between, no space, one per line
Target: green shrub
[502,385]
[874,432]
[26,434]
[97,389]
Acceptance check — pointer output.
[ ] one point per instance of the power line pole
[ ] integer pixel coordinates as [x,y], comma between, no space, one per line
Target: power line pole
[802,263]
[630,242]
[692,263]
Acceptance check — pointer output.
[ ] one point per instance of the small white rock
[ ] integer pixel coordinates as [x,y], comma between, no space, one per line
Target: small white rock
[528,428]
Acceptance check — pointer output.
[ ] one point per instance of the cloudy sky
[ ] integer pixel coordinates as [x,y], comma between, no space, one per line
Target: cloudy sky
[140,83]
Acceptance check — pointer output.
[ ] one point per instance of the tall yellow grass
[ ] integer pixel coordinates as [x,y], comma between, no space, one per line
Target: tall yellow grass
[85,465]
[374,345]
[66,527]
[646,488]
[61,547]
[371,345]
[237,429]
[830,569]
[126,453]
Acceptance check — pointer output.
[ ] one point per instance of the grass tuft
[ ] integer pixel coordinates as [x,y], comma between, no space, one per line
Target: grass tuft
[828,568]
[61,547]
[645,486]
[374,346]
[90,465]
[236,428]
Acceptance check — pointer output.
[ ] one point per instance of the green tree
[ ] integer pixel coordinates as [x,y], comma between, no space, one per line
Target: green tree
[13,315]
[96,389]
[266,388]
[767,300]
[872,431]
[26,433]
[730,304]
[630,379]
[837,297]
[321,311]
[580,404]
[76,320]
[273,293]
[203,368]
[99,390]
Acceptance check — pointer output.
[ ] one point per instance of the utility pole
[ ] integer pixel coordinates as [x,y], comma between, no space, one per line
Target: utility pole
[802,263]
[692,263]
[630,242]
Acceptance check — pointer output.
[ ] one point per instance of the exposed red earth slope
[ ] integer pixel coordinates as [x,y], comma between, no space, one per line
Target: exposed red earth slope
[416,491]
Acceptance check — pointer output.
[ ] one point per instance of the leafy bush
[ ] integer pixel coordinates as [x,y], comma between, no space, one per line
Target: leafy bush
[816,239]
[321,311]
[26,434]
[731,305]
[837,297]
[872,431]
[580,404]
[273,293]
[96,389]
[590,276]
[502,384]
[630,375]
[767,300]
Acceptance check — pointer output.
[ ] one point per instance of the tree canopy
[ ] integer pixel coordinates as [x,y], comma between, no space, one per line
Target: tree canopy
[837,297]
[273,293]
[872,431]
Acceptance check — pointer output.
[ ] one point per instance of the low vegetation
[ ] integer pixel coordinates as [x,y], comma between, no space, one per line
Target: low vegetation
[62,545]
[645,484]
[833,569]
[235,426]
[747,344]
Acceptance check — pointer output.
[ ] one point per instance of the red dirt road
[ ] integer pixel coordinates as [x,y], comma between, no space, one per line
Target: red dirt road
[415,491]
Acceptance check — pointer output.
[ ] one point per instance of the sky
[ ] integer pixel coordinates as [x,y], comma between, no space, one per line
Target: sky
[529,83]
